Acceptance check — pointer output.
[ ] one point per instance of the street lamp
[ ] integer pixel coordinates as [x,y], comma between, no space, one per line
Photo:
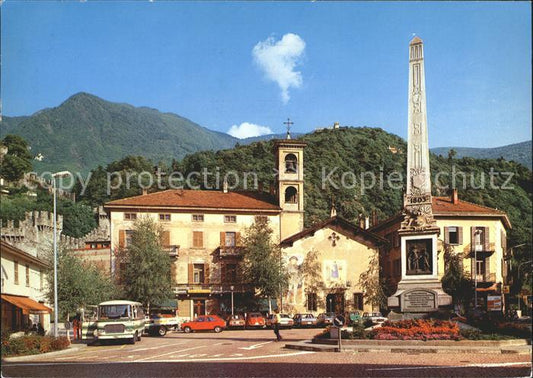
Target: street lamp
[232,287]
[476,247]
[54,189]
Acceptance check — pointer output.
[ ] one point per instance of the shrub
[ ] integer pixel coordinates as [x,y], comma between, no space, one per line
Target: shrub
[417,329]
[32,344]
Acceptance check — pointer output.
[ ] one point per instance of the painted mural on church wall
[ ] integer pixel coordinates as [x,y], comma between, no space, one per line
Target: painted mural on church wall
[296,291]
[334,273]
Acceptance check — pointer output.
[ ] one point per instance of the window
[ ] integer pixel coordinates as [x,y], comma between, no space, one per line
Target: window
[16,273]
[198,273]
[358,301]
[481,267]
[27,275]
[230,218]
[291,195]
[130,216]
[230,239]
[129,237]
[291,163]
[311,301]
[453,235]
[197,239]
[197,217]
[164,217]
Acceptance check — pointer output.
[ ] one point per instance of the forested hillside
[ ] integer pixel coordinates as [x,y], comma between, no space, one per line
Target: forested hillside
[360,155]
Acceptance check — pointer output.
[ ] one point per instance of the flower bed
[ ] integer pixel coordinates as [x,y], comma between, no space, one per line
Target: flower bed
[417,329]
[32,344]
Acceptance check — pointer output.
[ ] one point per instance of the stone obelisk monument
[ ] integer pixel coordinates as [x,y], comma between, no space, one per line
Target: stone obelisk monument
[419,290]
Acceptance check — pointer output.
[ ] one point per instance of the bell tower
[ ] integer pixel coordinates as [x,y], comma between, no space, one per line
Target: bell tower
[290,184]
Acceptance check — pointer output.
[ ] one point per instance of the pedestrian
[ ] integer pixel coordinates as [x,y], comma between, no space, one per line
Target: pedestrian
[276,319]
[76,327]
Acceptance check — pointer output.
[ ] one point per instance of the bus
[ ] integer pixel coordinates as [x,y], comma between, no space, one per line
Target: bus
[115,320]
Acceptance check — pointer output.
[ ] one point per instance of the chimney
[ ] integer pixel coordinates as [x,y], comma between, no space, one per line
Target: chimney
[374,218]
[333,211]
[145,191]
[367,223]
[455,197]
[260,187]
[225,186]
[272,190]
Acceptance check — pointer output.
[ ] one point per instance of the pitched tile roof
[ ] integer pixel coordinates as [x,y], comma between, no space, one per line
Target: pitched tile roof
[200,199]
[444,206]
[339,224]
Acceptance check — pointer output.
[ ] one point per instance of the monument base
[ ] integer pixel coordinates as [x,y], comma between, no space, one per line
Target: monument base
[421,296]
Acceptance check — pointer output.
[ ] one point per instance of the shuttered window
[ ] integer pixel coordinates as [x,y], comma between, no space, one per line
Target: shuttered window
[197,239]
[165,238]
[16,273]
[453,235]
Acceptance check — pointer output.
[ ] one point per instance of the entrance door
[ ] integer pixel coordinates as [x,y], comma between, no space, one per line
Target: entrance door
[199,307]
[335,303]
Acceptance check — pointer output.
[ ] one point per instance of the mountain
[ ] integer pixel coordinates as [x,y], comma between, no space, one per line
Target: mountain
[519,152]
[86,131]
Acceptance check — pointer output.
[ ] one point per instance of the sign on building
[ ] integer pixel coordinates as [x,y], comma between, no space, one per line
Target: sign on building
[494,302]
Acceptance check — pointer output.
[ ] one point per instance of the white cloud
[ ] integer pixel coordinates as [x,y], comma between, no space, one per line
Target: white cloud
[247,130]
[278,59]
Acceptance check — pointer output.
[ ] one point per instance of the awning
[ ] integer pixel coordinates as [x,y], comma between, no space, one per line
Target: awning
[28,306]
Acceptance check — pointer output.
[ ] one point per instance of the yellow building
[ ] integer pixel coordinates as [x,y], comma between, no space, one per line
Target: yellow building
[344,251]
[478,233]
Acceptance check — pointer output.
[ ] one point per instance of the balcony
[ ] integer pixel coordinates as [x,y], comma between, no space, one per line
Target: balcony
[215,288]
[486,277]
[172,250]
[481,250]
[229,251]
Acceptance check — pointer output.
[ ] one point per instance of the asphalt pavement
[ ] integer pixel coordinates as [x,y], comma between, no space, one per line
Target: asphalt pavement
[254,353]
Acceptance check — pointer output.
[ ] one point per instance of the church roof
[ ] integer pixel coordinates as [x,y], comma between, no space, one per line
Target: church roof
[341,225]
[200,200]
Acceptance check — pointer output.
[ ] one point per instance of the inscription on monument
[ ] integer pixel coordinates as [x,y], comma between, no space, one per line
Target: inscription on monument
[418,300]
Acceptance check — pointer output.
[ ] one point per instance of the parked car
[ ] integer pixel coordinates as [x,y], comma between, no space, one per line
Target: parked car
[204,323]
[305,320]
[285,321]
[255,319]
[374,317]
[159,323]
[236,321]
[325,319]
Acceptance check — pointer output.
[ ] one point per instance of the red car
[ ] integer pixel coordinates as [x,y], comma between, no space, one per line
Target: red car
[255,319]
[204,323]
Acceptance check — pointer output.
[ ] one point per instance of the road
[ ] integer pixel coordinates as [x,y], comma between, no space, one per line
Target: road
[255,353]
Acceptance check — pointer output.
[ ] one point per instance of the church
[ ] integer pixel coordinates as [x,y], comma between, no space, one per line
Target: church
[202,232]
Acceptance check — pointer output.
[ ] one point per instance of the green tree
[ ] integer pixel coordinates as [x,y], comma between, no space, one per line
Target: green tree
[372,284]
[78,283]
[261,260]
[145,267]
[455,282]
[17,161]
[78,219]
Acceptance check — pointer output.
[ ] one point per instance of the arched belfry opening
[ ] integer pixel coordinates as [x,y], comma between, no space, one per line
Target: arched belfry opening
[291,163]
[291,195]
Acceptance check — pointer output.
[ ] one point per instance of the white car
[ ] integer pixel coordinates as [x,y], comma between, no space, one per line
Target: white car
[374,317]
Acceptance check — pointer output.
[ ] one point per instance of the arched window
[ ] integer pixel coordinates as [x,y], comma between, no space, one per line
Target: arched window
[291,163]
[291,195]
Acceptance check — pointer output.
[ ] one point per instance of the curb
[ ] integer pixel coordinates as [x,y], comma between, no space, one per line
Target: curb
[309,346]
[71,348]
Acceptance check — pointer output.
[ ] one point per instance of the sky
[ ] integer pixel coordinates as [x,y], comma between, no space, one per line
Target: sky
[245,67]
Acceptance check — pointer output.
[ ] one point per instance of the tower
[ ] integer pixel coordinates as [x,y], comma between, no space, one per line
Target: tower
[419,290]
[290,185]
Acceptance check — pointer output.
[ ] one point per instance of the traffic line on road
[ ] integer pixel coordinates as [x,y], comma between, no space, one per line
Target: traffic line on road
[487,365]
[168,353]
[158,347]
[159,361]
[255,346]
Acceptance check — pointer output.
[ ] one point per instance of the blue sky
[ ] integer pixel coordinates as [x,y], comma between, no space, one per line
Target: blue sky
[314,62]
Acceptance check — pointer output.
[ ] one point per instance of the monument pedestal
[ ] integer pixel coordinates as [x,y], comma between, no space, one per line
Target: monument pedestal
[419,290]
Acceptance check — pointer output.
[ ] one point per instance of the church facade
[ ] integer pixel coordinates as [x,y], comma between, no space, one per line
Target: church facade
[202,232]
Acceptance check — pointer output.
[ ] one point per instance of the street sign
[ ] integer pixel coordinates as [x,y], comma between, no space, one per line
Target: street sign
[494,302]
[339,320]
